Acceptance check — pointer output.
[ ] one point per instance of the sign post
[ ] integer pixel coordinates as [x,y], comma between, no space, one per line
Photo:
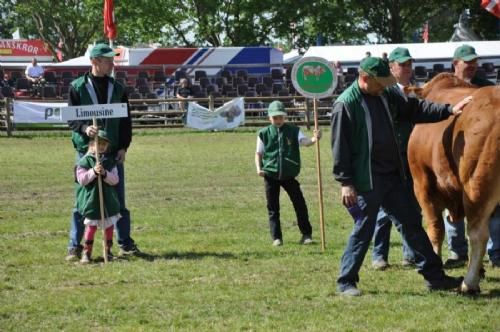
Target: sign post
[102,111]
[315,78]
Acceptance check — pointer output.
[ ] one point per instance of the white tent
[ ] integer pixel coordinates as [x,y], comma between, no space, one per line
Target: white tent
[425,54]
[82,61]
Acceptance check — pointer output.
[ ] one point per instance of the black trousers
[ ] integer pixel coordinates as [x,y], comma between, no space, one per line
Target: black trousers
[292,187]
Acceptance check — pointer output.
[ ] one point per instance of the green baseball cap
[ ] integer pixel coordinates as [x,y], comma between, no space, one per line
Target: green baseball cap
[400,55]
[102,50]
[276,108]
[465,53]
[378,69]
[103,135]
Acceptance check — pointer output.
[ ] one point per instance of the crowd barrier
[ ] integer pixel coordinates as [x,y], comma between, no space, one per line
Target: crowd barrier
[170,112]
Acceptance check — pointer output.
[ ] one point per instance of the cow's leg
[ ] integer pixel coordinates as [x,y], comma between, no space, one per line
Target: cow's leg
[434,219]
[431,208]
[478,237]
[478,219]
[435,228]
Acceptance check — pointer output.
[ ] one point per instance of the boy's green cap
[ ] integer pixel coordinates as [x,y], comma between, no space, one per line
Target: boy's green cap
[102,50]
[378,69]
[465,53]
[400,55]
[276,108]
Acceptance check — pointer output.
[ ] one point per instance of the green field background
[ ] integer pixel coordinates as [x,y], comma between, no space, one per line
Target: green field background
[199,216]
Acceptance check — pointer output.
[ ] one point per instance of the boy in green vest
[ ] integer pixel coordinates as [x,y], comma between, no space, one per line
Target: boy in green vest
[87,194]
[277,160]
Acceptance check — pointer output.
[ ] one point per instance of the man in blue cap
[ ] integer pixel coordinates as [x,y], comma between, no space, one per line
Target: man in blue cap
[465,63]
[367,163]
[98,87]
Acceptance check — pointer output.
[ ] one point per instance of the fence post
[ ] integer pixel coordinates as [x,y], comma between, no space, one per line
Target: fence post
[211,103]
[7,116]
[307,114]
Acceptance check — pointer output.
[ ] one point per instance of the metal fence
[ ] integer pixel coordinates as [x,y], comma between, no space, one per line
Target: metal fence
[170,112]
[6,116]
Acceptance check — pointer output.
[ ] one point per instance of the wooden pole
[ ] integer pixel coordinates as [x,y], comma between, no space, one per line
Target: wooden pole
[320,184]
[101,198]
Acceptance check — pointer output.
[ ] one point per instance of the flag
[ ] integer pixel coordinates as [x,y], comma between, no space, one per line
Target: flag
[110,29]
[425,33]
[228,116]
[493,6]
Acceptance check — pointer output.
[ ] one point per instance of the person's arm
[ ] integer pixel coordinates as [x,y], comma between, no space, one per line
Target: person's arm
[111,177]
[85,176]
[341,144]
[125,135]
[306,141]
[79,126]
[341,150]
[259,151]
[423,111]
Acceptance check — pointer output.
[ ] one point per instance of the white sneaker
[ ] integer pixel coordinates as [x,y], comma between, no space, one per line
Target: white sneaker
[277,243]
[350,292]
[306,240]
[380,265]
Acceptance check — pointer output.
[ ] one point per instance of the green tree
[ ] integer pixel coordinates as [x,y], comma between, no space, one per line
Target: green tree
[395,21]
[7,25]
[75,23]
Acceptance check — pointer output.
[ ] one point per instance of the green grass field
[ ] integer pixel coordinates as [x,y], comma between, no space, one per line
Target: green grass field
[199,213]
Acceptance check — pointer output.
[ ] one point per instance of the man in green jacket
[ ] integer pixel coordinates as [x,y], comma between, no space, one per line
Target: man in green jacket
[98,87]
[401,66]
[368,164]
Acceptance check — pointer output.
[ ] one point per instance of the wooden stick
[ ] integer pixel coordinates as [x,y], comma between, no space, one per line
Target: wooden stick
[320,184]
[101,197]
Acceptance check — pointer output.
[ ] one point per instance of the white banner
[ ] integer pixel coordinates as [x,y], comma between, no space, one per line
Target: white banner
[228,116]
[30,112]
[89,112]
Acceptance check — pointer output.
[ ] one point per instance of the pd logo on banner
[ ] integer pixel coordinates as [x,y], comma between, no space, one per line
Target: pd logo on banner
[32,112]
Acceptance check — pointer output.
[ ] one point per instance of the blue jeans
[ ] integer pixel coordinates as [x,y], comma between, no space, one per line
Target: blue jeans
[122,226]
[390,193]
[494,241]
[455,233]
[382,236]
[457,242]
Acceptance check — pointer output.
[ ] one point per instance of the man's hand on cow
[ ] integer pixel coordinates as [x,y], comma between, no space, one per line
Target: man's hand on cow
[120,156]
[457,109]
[91,131]
[349,196]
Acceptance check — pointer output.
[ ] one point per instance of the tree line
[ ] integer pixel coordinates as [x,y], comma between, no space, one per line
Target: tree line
[73,24]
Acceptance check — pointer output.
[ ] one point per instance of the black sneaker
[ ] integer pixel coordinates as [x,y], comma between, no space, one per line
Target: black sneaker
[74,254]
[444,283]
[455,262]
[129,250]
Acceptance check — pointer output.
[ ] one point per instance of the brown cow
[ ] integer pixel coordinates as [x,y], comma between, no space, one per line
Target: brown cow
[456,166]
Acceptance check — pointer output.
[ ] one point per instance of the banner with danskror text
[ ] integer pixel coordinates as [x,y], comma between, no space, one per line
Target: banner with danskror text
[228,116]
[32,112]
